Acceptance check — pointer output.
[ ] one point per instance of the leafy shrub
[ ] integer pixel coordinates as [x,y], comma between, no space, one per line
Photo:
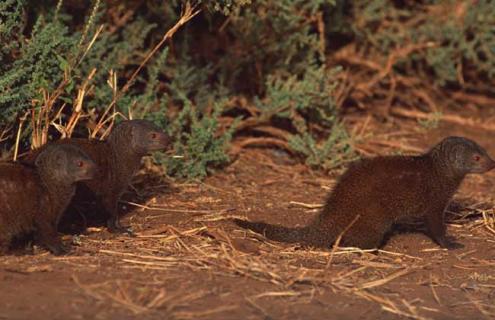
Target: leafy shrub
[235,69]
[417,52]
[197,143]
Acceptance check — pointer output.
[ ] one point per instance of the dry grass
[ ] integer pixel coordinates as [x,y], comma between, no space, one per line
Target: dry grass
[291,273]
[206,245]
[212,248]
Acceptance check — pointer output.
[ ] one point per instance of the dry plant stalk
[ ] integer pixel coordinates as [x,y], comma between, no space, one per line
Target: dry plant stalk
[44,117]
[450,118]
[339,238]
[489,220]
[4,135]
[18,137]
[41,121]
[187,14]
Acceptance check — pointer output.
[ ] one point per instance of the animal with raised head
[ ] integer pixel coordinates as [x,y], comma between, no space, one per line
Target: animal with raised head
[33,198]
[373,194]
[119,158]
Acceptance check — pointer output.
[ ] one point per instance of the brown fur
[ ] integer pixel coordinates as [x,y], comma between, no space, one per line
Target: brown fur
[33,198]
[118,159]
[373,194]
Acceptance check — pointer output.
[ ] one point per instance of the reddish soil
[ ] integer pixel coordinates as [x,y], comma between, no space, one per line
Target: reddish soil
[190,262]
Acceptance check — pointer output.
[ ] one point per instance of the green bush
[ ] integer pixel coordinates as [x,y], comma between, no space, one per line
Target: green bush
[234,69]
[460,34]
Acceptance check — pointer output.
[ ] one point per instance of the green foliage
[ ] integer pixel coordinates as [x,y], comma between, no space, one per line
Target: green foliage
[306,101]
[196,143]
[29,66]
[273,55]
[10,22]
[274,38]
[225,6]
[179,91]
[111,53]
[430,123]
[297,86]
[469,39]
[309,94]
[461,35]
[335,149]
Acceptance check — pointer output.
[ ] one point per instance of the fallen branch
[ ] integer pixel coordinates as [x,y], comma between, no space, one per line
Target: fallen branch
[418,115]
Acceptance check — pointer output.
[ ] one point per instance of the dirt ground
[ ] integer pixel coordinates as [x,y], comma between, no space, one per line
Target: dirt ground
[189,262]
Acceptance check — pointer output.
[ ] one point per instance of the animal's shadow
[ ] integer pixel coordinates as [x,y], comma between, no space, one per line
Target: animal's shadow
[452,213]
[85,210]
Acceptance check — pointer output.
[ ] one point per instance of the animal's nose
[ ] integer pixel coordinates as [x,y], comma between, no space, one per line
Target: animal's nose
[490,165]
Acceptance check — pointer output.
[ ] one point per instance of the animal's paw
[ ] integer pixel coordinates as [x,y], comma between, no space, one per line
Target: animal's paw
[58,249]
[121,230]
[449,244]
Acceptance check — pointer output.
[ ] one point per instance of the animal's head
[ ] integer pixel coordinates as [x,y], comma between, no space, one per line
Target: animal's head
[141,136]
[65,163]
[463,156]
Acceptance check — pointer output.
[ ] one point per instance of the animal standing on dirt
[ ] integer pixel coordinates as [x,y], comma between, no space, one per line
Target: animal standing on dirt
[118,158]
[375,193]
[34,198]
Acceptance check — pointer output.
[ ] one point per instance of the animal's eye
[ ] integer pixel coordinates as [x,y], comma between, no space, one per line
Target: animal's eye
[80,164]
[154,135]
[476,157]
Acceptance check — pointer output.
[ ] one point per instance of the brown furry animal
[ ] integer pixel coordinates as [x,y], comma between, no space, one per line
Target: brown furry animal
[33,198]
[375,193]
[118,158]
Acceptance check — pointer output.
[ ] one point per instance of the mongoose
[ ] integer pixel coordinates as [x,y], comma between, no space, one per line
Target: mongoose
[33,198]
[373,194]
[118,158]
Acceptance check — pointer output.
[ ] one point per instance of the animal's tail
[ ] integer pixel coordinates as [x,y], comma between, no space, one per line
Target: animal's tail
[302,235]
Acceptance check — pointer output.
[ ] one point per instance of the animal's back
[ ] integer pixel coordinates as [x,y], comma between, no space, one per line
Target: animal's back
[381,191]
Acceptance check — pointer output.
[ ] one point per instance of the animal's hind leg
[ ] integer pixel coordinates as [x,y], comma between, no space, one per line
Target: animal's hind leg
[371,241]
[363,236]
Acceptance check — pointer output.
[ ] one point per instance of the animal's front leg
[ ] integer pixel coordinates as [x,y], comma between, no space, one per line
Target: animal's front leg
[435,224]
[46,235]
[110,203]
